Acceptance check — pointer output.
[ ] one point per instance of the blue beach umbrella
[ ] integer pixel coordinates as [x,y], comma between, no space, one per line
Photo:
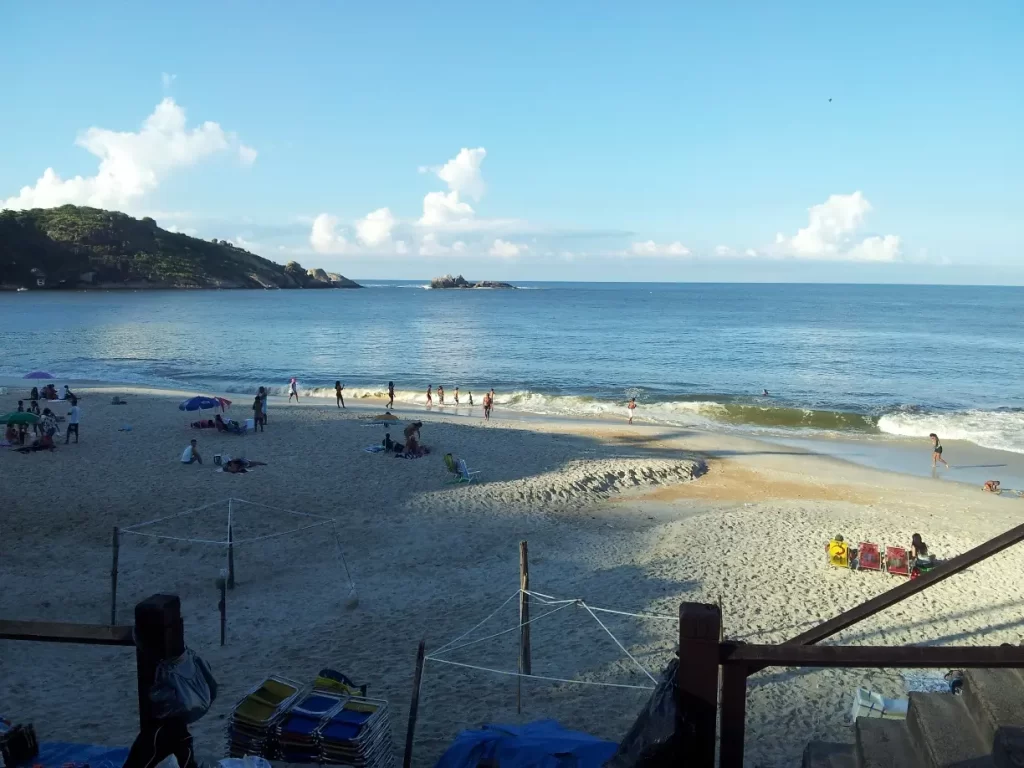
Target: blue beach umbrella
[203,403]
[38,375]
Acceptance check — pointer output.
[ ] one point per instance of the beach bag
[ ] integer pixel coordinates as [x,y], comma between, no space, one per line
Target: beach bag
[183,688]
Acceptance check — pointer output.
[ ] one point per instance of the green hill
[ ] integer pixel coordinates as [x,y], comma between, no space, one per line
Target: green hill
[78,247]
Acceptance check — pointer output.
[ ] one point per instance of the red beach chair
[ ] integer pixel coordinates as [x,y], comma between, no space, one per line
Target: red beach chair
[868,557]
[897,561]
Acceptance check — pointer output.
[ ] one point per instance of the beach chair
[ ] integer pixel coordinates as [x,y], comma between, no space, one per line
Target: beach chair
[838,553]
[897,561]
[869,558]
[465,473]
[449,463]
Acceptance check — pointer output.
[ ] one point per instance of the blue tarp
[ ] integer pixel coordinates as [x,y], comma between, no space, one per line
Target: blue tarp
[543,743]
[54,754]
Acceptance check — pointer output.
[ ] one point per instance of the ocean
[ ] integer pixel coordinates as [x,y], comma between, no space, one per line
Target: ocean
[835,359]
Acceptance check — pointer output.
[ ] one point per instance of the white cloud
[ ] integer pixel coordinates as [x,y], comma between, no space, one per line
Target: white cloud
[167,80]
[375,228]
[401,248]
[131,164]
[463,176]
[246,154]
[429,245]
[506,250]
[325,237]
[723,250]
[651,248]
[832,233]
[751,253]
[458,247]
[462,173]
[444,210]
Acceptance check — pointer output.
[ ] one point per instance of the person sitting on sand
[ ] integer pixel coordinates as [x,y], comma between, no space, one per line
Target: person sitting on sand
[11,434]
[191,454]
[937,451]
[34,395]
[992,486]
[919,554]
[68,394]
[50,392]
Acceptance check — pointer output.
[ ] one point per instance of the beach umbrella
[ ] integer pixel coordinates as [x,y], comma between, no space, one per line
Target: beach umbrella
[39,375]
[203,403]
[19,417]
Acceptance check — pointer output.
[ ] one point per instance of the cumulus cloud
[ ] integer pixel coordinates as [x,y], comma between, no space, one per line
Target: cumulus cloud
[375,228]
[246,154]
[132,164]
[651,248]
[442,209]
[723,250]
[325,237]
[429,245]
[832,232]
[464,178]
[506,250]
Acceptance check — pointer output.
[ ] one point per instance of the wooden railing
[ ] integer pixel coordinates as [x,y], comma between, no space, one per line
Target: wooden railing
[713,670]
[158,633]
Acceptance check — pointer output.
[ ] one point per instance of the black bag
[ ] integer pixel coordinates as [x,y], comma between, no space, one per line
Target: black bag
[183,688]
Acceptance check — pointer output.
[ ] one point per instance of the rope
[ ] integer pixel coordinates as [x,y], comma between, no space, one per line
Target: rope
[341,554]
[445,647]
[621,646]
[278,509]
[542,677]
[552,600]
[170,517]
[176,538]
[503,632]
[284,533]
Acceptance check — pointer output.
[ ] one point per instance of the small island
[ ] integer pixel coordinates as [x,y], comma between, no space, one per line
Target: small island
[75,247]
[460,282]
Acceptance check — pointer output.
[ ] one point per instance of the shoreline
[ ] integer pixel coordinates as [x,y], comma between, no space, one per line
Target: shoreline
[899,455]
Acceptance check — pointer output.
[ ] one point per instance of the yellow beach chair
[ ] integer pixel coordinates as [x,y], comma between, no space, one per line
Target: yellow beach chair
[838,553]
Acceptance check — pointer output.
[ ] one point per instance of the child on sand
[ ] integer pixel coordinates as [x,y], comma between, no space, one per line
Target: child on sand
[937,451]
[632,408]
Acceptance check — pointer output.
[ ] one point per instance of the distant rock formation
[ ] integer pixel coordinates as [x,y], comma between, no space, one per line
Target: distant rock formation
[460,282]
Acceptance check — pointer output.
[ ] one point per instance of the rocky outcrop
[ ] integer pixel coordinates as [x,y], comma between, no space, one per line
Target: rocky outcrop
[447,281]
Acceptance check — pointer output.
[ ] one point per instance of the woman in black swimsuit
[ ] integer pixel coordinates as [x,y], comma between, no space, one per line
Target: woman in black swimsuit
[937,451]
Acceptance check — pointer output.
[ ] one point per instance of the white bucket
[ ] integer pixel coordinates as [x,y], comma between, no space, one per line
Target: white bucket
[250,423]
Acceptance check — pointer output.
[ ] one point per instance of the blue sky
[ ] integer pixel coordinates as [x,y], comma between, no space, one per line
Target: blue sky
[602,141]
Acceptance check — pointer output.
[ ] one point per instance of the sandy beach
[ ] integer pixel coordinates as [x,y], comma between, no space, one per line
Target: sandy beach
[636,518]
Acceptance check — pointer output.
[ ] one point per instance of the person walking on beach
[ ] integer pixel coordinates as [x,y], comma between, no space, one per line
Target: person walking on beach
[487,405]
[632,408]
[440,394]
[257,414]
[34,409]
[456,397]
[491,401]
[73,417]
[338,388]
[937,451]
[430,396]
[263,402]
[391,395]
[293,390]
[471,399]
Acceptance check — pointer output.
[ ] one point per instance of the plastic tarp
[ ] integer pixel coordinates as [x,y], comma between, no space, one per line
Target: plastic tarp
[543,743]
[54,754]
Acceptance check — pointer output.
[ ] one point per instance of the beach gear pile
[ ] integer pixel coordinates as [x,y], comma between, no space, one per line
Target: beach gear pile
[331,721]
[867,556]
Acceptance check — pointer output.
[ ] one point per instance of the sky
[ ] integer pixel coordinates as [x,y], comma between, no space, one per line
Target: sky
[801,141]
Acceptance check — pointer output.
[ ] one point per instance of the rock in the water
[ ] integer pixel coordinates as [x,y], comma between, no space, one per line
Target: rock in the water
[447,281]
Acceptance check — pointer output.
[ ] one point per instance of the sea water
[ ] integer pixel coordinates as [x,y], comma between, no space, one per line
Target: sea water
[836,359]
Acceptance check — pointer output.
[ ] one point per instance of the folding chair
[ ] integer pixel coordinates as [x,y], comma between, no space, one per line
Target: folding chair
[465,473]
[838,553]
[897,561]
[868,557]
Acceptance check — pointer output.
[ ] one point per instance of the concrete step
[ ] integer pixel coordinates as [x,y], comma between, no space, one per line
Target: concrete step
[886,744]
[944,733]
[995,698]
[824,754]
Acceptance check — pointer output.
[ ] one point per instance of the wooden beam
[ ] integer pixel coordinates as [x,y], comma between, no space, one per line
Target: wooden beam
[734,716]
[700,630]
[65,632]
[525,664]
[864,656]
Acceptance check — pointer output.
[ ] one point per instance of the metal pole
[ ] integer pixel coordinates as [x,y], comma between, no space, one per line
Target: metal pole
[525,667]
[115,556]
[414,706]
[231,548]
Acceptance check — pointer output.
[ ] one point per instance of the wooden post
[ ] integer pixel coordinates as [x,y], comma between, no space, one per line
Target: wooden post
[159,635]
[700,630]
[115,556]
[231,549]
[734,715]
[414,705]
[525,666]
[223,606]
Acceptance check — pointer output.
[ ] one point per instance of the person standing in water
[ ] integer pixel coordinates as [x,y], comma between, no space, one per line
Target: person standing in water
[430,396]
[391,395]
[471,399]
[440,394]
[340,398]
[937,451]
[490,402]
[293,389]
[632,408]
[456,397]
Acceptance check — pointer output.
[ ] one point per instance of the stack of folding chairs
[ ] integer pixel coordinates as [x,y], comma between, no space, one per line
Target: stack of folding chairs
[253,727]
[358,734]
[298,731]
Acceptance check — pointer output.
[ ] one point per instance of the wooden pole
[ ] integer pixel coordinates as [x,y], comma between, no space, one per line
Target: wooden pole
[115,556]
[414,705]
[700,631]
[231,549]
[525,666]
[223,607]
